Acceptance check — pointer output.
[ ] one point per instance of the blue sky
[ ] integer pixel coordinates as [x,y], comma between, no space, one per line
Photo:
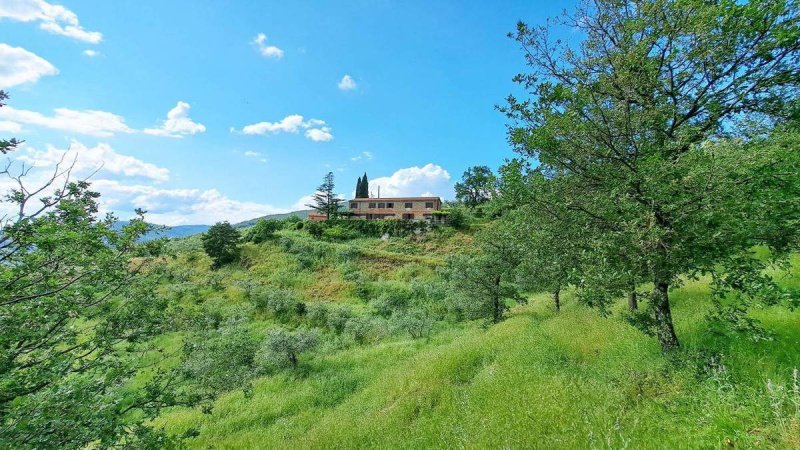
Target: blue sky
[415,110]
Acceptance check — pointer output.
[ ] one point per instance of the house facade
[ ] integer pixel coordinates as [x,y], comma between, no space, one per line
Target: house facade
[398,208]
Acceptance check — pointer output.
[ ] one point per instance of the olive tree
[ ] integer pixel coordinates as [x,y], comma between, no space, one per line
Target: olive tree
[637,132]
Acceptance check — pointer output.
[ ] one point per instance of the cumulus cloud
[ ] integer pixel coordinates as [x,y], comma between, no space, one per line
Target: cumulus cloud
[9,127]
[54,19]
[89,122]
[178,124]
[316,129]
[180,206]
[347,83]
[269,51]
[100,159]
[430,179]
[18,66]
[319,134]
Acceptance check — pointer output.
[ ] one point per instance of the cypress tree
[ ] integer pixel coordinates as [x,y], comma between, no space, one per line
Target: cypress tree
[358,187]
[364,186]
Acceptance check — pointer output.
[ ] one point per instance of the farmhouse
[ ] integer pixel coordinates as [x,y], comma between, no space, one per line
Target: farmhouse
[397,208]
[408,208]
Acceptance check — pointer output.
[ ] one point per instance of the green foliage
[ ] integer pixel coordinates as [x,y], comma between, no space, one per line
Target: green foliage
[221,244]
[283,348]
[8,145]
[457,218]
[282,304]
[339,232]
[325,199]
[478,185]
[349,229]
[632,134]
[77,308]
[315,229]
[264,230]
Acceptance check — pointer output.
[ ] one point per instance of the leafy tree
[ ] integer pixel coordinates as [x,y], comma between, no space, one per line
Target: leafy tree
[78,306]
[364,191]
[477,186]
[484,281]
[639,137]
[282,348]
[221,243]
[263,230]
[325,200]
[7,145]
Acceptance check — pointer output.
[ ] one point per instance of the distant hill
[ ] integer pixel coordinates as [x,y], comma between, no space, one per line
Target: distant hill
[249,223]
[181,231]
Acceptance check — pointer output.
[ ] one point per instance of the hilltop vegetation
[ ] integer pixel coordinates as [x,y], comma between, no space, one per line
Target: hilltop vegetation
[629,280]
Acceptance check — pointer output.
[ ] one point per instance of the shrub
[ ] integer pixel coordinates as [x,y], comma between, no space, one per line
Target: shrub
[282,348]
[337,318]
[339,233]
[457,218]
[364,329]
[281,303]
[221,244]
[390,301]
[263,230]
[416,323]
[317,315]
[220,360]
[314,228]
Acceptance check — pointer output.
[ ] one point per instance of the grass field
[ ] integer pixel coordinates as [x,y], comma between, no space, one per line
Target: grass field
[537,380]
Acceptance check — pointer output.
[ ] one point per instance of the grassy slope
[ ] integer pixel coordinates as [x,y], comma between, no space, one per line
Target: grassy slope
[536,380]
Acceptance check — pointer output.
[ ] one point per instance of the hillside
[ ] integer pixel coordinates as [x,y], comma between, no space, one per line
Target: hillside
[539,379]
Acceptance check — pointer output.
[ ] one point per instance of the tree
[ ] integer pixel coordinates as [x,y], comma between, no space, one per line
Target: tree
[362,187]
[221,243]
[78,307]
[639,137]
[7,145]
[477,186]
[263,230]
[484,281]
[325,199]
[283,348]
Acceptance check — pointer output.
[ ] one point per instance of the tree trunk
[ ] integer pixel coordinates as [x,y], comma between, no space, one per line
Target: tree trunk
[293,359]
[664,329]
[633,301]
[557,299]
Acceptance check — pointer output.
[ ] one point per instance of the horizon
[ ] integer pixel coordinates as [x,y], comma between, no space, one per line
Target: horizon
[211,112]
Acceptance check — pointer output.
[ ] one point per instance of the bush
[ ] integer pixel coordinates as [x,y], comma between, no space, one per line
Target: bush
[220,360]
[317,315]
[391,301]
[280,303]
[315,229]
[339,233]
[337,318]
[364,329]
[416,323]
[263,230]
[221,244]
[457,218]
[282,348]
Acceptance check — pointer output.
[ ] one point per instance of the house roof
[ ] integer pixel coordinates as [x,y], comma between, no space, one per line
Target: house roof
[396,199]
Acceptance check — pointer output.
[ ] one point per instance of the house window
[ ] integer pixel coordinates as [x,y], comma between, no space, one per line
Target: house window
[428,205]
[390,205]
[409,205]
[372,205]
[353,205]
[381,205]
[408,216]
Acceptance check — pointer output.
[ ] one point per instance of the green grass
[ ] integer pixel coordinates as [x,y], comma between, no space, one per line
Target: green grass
[537,380]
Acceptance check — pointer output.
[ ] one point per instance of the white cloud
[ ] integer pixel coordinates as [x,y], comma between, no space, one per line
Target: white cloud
[18,66]
[269,51]
[9,127]
[302,203]
[319,134]
[430,179]
[180,206]
[316,129]
[55,19]
[289,124]
[91,53]
[101,159]
[178,123]
[255,155]
[89,122]
[347,83]
[364,155]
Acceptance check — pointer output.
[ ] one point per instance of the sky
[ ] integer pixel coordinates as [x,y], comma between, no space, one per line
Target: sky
[203,111]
